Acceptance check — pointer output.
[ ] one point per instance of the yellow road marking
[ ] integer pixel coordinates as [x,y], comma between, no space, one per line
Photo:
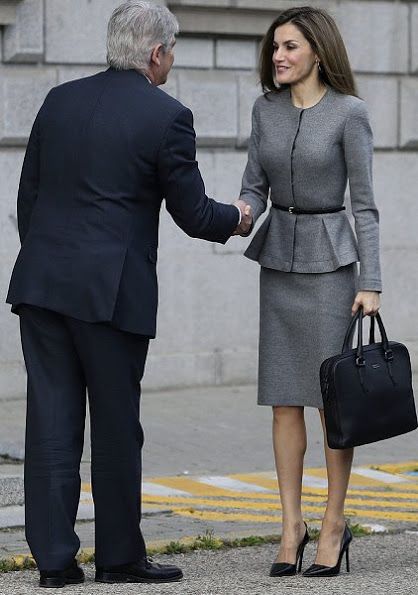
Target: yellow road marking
[396,467]
[372,493]
[271,484]
[260,518]
[306,494]
[251,505]
[193,487]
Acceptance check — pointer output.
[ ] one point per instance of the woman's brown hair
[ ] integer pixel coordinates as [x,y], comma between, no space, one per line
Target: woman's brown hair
[320,30]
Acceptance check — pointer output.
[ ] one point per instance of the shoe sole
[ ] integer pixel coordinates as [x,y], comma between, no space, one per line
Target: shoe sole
[53,583]
[111,578]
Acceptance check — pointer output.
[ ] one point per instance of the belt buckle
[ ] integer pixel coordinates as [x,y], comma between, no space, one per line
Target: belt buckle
[291,210]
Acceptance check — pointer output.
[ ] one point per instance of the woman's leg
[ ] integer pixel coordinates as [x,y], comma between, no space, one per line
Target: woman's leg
[289,442]
[338,469]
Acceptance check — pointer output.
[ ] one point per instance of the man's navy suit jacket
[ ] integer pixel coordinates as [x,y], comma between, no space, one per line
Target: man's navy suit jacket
[103,153]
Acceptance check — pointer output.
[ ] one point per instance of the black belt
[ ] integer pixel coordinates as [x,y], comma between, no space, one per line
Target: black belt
[297,211]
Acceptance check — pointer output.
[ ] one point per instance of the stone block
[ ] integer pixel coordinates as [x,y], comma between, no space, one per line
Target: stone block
[71,73]
[376,35]
[22,91]
[278,5]
[10,167]
[199,300]
[236,54]
[171,86]
[414,38]
[8,10]
[248,90]
[395,180]
[409,113]
[381,96]
[200,3]
[12,386]
[24,41]
[10,349]
[77,36]
[198,296]
[400,286]
[212,97]
[194,53]
[179,370]
[229,21]
[239,366]
[226,176]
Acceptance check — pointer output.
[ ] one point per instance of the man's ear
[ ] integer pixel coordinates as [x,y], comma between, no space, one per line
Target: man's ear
[156,54]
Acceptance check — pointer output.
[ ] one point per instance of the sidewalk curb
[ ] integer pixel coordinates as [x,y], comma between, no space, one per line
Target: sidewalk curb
[18,562]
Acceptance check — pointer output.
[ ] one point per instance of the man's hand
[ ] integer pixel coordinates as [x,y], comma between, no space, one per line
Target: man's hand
[246,218]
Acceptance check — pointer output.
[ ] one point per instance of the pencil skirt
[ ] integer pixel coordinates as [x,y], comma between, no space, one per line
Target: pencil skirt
[303,320]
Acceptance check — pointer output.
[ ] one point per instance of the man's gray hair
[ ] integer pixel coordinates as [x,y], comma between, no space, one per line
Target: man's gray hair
[134,29]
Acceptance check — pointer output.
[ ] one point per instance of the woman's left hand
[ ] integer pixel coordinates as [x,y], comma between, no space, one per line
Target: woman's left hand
[370,300]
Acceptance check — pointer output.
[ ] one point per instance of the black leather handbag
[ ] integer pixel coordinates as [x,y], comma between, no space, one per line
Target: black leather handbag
[367,391]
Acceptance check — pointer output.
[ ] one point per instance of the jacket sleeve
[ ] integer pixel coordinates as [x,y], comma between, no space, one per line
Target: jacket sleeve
[29,182]
[358,150]
[183,187]
[255,184]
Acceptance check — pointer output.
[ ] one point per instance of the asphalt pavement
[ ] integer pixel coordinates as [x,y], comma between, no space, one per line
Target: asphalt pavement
[380,565]
[208,466]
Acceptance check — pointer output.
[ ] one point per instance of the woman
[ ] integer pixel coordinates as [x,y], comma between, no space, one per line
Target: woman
[310,132]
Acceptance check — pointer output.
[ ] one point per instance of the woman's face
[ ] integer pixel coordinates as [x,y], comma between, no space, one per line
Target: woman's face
[293,57]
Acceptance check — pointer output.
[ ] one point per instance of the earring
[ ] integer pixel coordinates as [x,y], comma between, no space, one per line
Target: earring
[317,62]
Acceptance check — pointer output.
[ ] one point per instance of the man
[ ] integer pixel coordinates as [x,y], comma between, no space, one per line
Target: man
[103,153]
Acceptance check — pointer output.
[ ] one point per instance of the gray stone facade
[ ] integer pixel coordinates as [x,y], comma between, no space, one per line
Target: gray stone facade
[208,320]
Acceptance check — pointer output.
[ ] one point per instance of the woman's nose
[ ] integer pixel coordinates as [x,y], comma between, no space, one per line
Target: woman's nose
[277,56]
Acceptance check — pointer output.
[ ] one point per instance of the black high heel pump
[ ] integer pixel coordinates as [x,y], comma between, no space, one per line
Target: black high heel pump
[286,569]
[320,570]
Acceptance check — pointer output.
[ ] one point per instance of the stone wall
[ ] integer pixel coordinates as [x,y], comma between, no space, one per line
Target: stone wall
[208,321]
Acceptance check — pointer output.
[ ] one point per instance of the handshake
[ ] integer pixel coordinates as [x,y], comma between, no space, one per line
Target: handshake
[245,226]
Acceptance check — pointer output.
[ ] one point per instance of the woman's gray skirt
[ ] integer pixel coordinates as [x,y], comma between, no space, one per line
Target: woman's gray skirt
[303,320]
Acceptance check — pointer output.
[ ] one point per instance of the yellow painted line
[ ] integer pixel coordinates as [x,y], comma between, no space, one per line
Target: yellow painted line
[396,467]
[271,484]
[376,494]
[355,479]
[251,505]
[260,518]
[306,493]
[410,492]
[195,488]
[258,480]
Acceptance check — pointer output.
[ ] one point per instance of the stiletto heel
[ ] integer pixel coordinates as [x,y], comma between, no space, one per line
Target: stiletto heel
[286,569]
[301,560]
[320,570]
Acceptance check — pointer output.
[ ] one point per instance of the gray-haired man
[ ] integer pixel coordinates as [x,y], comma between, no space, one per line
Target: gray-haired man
[103,153]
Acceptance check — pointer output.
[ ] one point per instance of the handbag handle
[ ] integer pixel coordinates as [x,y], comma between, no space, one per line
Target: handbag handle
[358,319]
[372,328]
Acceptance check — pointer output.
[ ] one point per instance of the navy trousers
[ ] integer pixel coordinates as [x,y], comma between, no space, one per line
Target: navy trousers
[65,357]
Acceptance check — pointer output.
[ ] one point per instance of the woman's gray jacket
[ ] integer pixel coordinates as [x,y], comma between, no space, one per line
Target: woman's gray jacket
[302,157]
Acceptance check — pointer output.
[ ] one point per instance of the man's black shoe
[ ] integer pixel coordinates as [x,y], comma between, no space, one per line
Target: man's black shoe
[73,575]
[144,571]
